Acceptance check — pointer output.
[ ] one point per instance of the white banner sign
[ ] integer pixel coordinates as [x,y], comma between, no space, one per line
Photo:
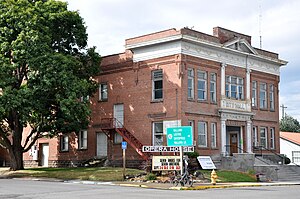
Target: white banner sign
[166,163]
[206,162]
[167,149]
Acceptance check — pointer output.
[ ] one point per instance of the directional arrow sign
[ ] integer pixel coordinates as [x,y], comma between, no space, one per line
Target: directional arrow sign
[180,136]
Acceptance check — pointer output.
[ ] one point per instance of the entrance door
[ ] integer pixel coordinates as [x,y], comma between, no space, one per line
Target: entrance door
[101,145]
[45,155]
[119,115]
[233,143]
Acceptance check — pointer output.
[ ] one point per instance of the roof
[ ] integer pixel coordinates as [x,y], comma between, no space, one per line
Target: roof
[291,136]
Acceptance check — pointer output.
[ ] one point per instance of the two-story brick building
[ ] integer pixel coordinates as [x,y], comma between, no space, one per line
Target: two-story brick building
[219,84]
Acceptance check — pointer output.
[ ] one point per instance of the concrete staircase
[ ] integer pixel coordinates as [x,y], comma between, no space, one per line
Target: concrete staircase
[288,173]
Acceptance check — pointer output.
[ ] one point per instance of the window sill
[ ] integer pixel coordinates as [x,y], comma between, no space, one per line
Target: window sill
[104,100]
[82,149]
[202,101]
[191,99]
[263,109]
[157,101]
[63,151]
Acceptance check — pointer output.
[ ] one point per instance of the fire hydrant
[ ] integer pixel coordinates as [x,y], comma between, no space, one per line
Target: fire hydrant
[213,177]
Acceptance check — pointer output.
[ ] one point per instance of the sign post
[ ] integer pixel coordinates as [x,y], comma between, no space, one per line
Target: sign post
[124,147]
[180,136]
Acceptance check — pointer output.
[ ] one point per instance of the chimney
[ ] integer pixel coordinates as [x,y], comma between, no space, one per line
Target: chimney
[225,35]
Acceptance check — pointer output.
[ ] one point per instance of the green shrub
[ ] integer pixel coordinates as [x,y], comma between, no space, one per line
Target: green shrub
[151,176]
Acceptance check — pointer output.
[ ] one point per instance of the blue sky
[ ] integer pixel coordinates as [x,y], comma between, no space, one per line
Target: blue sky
[110,22]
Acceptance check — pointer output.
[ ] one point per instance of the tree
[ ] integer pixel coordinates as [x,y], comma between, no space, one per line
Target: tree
[289,124]
[45,68]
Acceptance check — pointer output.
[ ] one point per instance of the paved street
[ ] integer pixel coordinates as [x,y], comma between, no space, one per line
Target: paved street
[30,189]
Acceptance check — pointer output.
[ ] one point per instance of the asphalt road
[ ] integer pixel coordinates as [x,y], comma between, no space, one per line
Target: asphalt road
[30,189]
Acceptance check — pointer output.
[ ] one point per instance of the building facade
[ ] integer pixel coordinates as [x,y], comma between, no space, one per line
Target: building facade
[219,84]
[290,146]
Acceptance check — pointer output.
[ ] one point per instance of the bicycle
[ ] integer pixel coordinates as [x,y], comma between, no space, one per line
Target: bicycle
[185,178]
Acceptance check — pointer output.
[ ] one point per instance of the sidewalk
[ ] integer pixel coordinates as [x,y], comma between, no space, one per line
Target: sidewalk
[201,186]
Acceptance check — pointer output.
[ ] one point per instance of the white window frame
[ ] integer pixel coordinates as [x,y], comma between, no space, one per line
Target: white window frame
[263,96]
[157,76]
[64,143]
[263,139]
[296,157]
[201,80]
[254,93]
[202,134]
[213,87]
[191,88]
[158,132]
[234,87]
[271,97]
[103,92]
[213,129]
[272,138]
[82,139]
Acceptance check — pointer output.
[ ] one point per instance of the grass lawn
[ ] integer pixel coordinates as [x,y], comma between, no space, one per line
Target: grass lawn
[111,174]
[230,176]
[94,173]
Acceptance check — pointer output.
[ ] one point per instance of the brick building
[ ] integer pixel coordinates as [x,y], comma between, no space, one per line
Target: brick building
[219,84]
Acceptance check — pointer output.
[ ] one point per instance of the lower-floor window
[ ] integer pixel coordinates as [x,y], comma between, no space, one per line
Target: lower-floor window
[254,136]
[272,138]
[64,143]
[118,138]
[158,134]
[213,130]
[263,137]
[82,139]
[202,134]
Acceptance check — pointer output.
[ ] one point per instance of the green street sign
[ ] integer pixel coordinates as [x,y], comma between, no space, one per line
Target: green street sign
[180,136]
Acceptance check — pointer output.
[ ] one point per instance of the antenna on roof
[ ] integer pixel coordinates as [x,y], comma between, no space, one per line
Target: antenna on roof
[260,20]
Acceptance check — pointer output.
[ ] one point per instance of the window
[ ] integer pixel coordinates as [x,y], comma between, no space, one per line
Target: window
[191,123]
[234,87]
[213,135]
[202,134]
[263,137]
[118,138]
[201,85]
[85,99]
[254,136]
[157,85]
[263,95]
[158,134]
[190,83]
[254,93]
[271,97]
[64,143]
[82,139]
[213,78]
[296,157]
[103,92]
[272,138]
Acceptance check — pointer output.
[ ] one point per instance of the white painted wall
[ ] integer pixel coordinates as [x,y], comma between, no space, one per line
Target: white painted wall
[287,147]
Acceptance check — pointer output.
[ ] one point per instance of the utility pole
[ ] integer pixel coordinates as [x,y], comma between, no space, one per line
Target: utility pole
[283,107]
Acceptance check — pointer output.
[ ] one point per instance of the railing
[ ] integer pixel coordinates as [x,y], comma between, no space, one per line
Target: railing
[262,148]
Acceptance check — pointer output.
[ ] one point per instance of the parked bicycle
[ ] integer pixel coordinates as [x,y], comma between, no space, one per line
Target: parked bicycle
[185,179]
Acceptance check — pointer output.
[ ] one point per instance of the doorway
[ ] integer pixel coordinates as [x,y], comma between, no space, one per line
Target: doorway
[233,143]
[101,144]
[45,155]
[119,115]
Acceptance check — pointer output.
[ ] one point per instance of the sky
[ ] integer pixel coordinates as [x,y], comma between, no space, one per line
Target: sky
[110,22]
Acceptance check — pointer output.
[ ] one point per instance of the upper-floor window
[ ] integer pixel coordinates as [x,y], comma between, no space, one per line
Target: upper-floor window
[271,97]
[234,87]
[254,93]
[201,79]
[158,133]
[202,134]
[157,84]
[191,83]
[82,139]
[263,95]
[64,143]
[118,138]
[103,92]
[263,137]
[213,79]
